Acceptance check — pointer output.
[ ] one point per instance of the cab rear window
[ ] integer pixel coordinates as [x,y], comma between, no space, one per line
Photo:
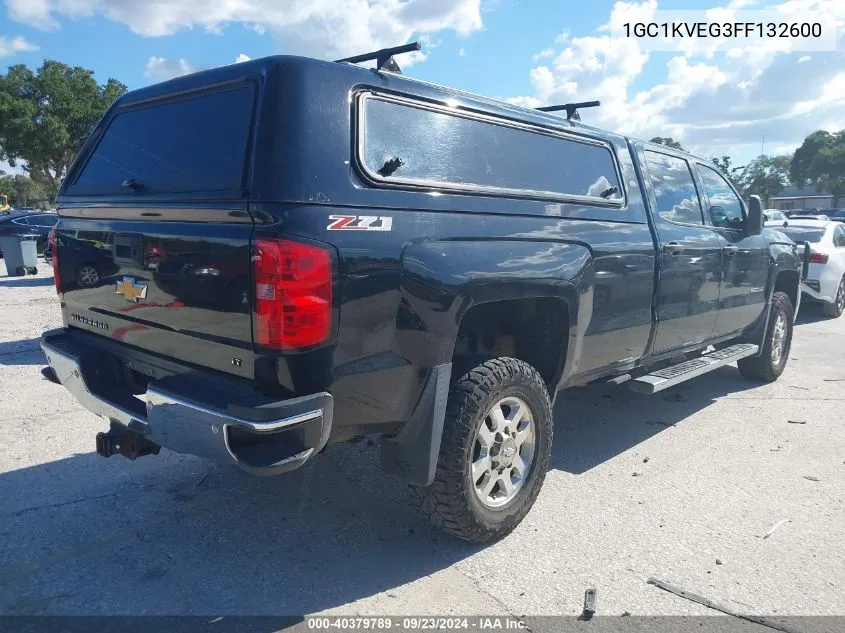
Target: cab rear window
[196,144]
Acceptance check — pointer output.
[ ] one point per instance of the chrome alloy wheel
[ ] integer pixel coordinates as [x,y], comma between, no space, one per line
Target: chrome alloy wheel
[779,339]
[503,452]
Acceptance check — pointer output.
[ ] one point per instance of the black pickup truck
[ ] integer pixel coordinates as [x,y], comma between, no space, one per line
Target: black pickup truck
[309,252]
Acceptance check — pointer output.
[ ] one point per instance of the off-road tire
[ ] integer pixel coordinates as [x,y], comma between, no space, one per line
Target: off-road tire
[834,310]
[762,367]
[451,502]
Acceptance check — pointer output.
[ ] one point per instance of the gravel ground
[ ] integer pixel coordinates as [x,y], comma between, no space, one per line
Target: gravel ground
[682,486]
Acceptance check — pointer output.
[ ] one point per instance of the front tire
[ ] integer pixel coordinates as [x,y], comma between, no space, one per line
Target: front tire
[769,365]
[834,310]
[494,453]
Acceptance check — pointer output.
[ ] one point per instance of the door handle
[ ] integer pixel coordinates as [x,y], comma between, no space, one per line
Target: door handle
[673,248]
[730,250]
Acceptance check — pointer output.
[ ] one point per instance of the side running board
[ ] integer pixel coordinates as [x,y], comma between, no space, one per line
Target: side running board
[676,374]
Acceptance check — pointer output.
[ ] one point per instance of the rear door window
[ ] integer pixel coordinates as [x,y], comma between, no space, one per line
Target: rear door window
[674,189]
[175,146]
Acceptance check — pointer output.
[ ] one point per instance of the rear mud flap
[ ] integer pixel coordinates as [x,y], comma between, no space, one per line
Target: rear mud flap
[412,453]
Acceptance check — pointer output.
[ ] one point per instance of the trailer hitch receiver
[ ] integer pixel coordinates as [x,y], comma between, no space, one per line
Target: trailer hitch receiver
[120,440]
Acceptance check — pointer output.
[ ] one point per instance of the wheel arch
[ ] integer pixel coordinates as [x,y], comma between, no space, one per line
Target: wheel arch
[532,329]
[447,286]
[789,282]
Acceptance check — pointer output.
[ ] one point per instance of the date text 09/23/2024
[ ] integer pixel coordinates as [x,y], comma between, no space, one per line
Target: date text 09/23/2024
[405,623]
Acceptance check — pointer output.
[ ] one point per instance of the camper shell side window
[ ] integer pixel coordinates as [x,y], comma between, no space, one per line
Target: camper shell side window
[410,143]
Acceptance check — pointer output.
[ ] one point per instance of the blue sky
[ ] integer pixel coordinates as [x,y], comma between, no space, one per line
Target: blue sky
[529,51]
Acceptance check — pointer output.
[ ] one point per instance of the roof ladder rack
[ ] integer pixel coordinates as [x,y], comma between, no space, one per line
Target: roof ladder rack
[571,108]
[384,57]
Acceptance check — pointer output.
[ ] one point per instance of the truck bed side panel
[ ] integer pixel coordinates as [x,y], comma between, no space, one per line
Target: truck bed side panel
[403,295]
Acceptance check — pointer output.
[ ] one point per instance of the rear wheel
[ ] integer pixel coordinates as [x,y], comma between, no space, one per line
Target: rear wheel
[769,365]
[834,310]
[494,453]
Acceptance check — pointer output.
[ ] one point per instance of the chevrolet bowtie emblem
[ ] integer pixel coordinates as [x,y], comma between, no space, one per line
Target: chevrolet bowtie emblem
[131,289]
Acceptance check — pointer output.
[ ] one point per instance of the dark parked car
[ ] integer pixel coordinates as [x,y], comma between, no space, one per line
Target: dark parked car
[83,263]
[26,223]
[413,262]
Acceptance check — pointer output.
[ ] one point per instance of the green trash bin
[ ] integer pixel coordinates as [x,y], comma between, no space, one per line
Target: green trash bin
[20,254]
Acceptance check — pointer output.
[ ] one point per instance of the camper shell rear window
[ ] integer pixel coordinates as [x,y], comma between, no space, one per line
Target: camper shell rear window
[187,144]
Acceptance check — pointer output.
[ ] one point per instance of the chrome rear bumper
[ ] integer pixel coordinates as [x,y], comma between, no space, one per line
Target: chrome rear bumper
[267,439]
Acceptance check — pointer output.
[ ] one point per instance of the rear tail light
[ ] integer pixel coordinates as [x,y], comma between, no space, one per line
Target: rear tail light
[54,250]
[293,294]
[818,258]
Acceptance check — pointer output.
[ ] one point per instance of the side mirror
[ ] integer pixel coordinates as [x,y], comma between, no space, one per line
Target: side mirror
[754,222]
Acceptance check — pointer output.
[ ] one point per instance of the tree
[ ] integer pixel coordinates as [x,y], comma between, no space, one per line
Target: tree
[668,141]
[765,176]
[46,115]
[820,161]
[723,163]
[23,191]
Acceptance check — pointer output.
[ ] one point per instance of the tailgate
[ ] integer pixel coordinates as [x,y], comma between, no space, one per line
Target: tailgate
[152,248]
[178,289]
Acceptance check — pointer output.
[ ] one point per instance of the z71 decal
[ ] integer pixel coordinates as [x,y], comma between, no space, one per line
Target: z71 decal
[360,223]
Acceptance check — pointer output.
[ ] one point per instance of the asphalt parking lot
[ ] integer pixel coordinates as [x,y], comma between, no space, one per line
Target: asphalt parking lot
[683,486]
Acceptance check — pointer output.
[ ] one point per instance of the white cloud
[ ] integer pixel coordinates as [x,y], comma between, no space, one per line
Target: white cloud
[161,68]
[546,52]
[462,53]
[713,103]
[243,57]
[833,93]
[320,28]
[32,12]
[11,45]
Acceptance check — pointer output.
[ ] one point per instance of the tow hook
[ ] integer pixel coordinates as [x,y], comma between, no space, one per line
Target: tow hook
[128,443]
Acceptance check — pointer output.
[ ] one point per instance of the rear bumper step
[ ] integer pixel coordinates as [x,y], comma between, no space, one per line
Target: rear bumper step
[676,374]
[267,439]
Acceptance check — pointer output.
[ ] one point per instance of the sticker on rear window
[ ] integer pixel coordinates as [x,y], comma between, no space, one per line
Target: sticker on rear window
[360,223]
